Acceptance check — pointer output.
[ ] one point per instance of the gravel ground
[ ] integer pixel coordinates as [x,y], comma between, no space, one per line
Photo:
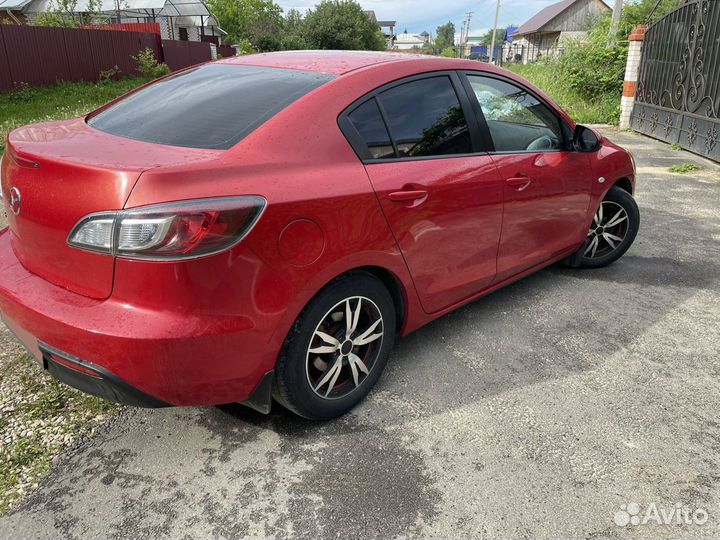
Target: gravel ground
[570,404]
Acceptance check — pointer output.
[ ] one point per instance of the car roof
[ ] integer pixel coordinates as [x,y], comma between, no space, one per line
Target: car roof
[330,62]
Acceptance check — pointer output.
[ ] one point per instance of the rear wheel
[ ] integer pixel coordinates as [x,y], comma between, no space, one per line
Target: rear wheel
[337,348]
[612,231]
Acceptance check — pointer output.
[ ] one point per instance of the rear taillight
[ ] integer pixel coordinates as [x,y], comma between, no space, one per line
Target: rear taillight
[170,231]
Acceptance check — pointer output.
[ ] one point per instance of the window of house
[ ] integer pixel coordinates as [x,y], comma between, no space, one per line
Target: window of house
[183,34]
[368,122]
[426,119]
[516,119]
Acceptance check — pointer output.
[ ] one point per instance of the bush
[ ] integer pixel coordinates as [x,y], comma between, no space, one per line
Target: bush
[448,52]
[148,66]
[592,67]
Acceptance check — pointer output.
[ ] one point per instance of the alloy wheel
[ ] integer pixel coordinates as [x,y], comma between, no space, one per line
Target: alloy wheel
[607,231]
[344,347]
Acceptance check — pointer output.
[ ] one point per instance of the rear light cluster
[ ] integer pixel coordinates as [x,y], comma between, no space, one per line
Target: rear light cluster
[171,231]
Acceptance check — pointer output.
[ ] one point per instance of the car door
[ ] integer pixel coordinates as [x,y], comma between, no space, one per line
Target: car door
[546,184]
[441,195]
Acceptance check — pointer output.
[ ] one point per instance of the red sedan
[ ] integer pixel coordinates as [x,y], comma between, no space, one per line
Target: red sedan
[267,226]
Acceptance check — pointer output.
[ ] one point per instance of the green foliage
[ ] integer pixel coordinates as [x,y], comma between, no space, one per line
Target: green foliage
[448,52]
[637,12]
[258,22]
[676,147]
[499,36]
[592,67]
[604,109]
[148,66]
[293,35]
[341,24]
[684,168]
[444,37]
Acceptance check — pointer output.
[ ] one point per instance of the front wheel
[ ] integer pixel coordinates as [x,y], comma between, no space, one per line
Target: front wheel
[337,348]
[612,231]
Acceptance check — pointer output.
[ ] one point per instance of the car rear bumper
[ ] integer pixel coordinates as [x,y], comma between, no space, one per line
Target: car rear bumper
[133,354]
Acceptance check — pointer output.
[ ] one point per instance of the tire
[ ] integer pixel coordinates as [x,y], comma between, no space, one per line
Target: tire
[605,244]
[308,380]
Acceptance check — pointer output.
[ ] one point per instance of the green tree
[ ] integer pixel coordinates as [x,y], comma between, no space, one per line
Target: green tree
[638,11]
[444,37]
[294,27]
[259,22]
[499,36]
[341,24]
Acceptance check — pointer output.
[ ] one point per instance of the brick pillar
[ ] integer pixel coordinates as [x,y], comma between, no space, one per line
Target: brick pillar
[631,74]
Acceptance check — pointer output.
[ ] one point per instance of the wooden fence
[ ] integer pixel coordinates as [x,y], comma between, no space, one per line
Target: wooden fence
[39,56]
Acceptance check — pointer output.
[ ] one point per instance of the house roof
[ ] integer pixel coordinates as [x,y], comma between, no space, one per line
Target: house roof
[544,16]
[129,8]
[13,4]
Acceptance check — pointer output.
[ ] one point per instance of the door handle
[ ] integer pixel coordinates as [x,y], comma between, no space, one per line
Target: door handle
[408,195]
[519,182]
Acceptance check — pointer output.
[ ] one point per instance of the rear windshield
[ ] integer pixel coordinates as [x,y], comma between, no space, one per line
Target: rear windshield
[211,106]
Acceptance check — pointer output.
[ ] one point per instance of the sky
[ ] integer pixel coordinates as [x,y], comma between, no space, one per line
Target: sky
[419,15]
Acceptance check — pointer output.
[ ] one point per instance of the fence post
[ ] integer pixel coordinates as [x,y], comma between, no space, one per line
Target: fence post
[632,68]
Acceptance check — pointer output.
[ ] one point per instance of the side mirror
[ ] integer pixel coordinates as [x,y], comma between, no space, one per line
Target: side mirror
[585,139]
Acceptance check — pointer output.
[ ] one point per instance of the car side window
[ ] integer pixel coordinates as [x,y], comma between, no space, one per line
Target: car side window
[368,122]
[426,119]
[517,121]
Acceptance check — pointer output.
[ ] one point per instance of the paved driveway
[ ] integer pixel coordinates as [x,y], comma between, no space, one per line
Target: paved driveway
[535,412]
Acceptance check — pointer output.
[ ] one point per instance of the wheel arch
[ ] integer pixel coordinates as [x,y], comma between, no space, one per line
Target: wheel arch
[624,184]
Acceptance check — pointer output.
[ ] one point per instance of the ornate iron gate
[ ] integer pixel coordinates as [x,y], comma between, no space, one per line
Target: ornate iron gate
[678,92]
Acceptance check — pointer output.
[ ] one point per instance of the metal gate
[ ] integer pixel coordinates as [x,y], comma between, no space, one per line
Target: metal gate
[678,92]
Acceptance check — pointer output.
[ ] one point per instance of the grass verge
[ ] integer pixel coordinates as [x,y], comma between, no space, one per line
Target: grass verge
[56,102]
[604,110]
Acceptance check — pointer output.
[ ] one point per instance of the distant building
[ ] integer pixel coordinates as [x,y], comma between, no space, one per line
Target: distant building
[184,20]
[386,27]
[544,33]
[405,41]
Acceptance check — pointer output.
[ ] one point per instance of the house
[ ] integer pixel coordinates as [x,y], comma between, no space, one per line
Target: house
[386,27]
[544,33]
[405,41]
[184,20]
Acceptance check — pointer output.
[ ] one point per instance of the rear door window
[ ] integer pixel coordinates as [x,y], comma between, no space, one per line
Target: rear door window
[426,119]
[368,122]
[212,106]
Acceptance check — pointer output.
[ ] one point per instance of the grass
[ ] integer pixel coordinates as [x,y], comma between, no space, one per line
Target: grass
[676,147]
[56,102]
[605,110]
[683,168]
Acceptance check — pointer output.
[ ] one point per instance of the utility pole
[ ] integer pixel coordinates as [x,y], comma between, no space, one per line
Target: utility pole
[492,45]
[615,23]
[465,33]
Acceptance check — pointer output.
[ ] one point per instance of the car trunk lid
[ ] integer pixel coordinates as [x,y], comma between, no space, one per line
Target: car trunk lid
[59,172]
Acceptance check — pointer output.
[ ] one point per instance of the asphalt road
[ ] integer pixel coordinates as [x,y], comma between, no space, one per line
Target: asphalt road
[535,412]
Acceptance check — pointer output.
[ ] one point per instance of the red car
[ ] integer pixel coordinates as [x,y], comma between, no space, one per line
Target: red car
[267,226]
